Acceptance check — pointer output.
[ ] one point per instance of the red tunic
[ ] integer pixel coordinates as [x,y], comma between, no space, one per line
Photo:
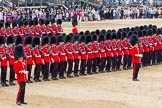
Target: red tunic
[82,52]
[29,57]
[114,50]
[102,50]
[2,33]
[11,58]
[134,51]
[155,43]
[54,30]
[20,66]
[36,31]
[37,56]
[96,50]
[76,51]
[69,52]
[62,54]
[75,30]
[48,29]
[59,29]
[8,32]
[21,32]
[119,51]
[89,51]
[4,57]
[108,49]
[42,30]
[32,31]
[15,32]
[125,45]
[145,45]
[46,55]
[54,56]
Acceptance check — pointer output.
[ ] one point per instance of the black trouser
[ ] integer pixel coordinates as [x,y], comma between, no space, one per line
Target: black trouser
[3,74]
[102,64]
[21,92]
[136,67]
[125,61]
[54,69]
[94,65]
[154,57]
[70,67]
[76,65]
[62,69]
[145,59]
[108,65]
[159,56]
[29,68]
[45,70]
[82,66]
[114,63]
[129,61]
[12,73]
[118,62]
[37,71]
[89,66]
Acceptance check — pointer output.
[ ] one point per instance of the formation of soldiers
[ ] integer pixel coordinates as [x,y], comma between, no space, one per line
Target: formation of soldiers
[56,54]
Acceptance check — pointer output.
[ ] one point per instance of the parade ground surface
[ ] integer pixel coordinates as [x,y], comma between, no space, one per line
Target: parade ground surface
[106,90]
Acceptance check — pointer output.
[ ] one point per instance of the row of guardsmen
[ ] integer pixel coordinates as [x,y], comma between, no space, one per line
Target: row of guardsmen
[80,54]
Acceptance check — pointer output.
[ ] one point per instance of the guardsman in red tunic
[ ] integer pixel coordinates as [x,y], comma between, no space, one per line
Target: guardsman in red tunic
[8,29]
[129,48]
[20,30]
[96,53]
[11,59]
[74,24]
[29,57]
[120,52]
[47,27]
[76,54]
[158,38]
[53,27]
[21,72]
[45,57]
[2,29]
[14,29]
[54,58]
[125,50]
[114,50]
[136,56]
[102,53]
[109,53]
[155,45]
[36,28]
[31,28]
[37,58]
[42,27]
[26,28]
[59,28]
[70,58]
[62,56]
[3,61]
[83,55]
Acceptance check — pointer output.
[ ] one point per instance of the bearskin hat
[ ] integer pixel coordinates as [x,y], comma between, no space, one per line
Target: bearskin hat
[149,32]
[141,27]
[125,29]
[101,38]
[68,38]
[82,38]
[108,36]
[14,24]
[123,35]
[75,37]
[74,22]
[7,24]
[98,32]
[144,32]
[94,37]
[18,40]
[120,30]
[150,26]
[53,21]
[28,40]
[1,25]
[41,21]
[129,34]
[114,30]
[10,40]
[26,23]
[137,28]
[81,33]
[2,40]
[35,22]
[133,39]
[118,35]
[87,33]
[59,39]
[53,40]
[154,30]
[92,33]
[45,40]
[20,23]
[19,52]
[36,41]
[88,39]
[31,23]
[140,33]
[47,22]
[103,32]
[132,29]
[59,21]
[158,32]
[113,35]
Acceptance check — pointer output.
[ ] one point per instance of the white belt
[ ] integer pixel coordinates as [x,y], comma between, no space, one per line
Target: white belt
[103,51]
[63,54]
[83,52]
[55,54]
[37,56]
[12,57]
[76,51]
[29,56]
[96,51]
[89,52]
[3,58]
[46,55]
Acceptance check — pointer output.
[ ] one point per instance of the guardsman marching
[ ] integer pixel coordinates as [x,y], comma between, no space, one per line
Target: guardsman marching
[29,57]
[54,58]
[26,28]
[53,27]
[62,56]
[7,31]
[31,28]
[158,38]
[37,58]
[42,27]
[75,28]
[119,51]
[36,28]
[83,55]
[20,30]
[129,49]
[2,29]
[18,41]
[102,53]
[3,61]
[76,54]
[47,27]
[59,28]
[14,29]
[69,52]
[11,59]
[45,57]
